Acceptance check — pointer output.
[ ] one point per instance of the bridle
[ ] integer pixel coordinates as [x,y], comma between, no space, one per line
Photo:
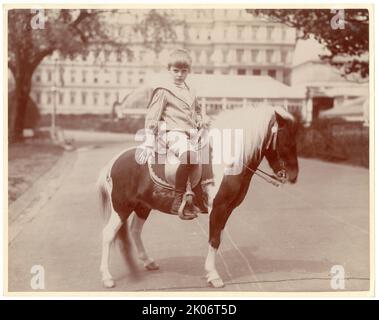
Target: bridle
[272,143]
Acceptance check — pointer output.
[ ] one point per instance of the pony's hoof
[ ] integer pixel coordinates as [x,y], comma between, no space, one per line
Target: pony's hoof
[152,266]
[109,283]
[216,283]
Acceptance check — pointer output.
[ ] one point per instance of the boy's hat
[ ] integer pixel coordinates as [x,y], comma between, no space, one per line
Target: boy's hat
[179,58]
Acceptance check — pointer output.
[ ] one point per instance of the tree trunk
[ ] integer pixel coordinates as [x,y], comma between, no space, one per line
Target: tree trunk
[23,82]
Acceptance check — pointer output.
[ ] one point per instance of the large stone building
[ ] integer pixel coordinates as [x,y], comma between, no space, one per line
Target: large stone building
[225,42]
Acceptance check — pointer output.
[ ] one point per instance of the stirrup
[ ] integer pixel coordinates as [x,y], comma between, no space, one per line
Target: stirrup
[181,211]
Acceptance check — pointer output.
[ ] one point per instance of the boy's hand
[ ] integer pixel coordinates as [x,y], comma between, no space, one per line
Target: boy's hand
[204,122]
[144,155]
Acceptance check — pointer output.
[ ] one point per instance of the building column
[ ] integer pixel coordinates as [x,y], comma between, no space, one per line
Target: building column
[286,104]
[203,107]
[223,103]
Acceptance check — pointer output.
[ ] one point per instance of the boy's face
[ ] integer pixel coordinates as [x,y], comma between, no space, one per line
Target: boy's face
[178,75]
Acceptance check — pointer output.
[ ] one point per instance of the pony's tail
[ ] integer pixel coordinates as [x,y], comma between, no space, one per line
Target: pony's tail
[104,187]
[103,192]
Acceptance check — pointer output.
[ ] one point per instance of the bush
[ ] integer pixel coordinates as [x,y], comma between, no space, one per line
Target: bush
[335,140]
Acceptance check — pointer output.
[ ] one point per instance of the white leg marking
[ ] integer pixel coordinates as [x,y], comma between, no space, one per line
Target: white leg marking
[136,230]
[212,275]
[109,233]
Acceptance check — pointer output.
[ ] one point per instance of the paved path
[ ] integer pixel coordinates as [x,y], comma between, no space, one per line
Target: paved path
[279,239]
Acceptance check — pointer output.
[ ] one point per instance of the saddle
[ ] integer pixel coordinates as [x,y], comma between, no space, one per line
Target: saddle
[162,170]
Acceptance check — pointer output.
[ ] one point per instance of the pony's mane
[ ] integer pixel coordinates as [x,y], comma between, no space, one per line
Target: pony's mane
[254,121]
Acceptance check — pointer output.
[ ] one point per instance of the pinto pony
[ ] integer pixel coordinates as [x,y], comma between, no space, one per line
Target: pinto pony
[125,186]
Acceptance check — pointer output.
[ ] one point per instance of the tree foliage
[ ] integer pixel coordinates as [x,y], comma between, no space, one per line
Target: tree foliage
[347,41]
[69,32]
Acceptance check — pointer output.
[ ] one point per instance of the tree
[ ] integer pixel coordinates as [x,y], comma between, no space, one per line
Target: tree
[345,33]
[36,34]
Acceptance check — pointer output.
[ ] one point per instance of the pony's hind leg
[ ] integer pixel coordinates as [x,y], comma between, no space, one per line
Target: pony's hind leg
[138,221]
[109,233]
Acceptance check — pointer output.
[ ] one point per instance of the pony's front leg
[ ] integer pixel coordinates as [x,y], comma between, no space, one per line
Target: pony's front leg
[109,233]
[213,278]
[215,232]
[136,230]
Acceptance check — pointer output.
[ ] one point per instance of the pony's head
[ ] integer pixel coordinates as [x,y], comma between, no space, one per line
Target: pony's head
[281,152]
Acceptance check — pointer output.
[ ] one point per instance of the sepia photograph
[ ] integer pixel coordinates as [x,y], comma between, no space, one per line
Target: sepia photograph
[188,149]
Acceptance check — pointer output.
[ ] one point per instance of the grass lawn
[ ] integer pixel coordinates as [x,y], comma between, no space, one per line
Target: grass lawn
[26,163]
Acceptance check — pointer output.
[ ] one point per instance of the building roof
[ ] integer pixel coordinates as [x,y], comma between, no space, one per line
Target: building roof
[308,50]
[351,109]
[239,86]
[242,86]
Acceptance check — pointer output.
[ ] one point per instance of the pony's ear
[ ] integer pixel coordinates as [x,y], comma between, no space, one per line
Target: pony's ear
[283,116]
[281,121]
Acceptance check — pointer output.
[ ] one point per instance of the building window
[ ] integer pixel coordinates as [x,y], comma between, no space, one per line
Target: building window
[38,77]
[239,53]
[119,56]
[106,98]
[106,75]
[72,97]
[254,32]
[240,32]
[270,31]
[61,76]
[283,56]
[142,56]
[73,72]
[257,72]
[284,33]
[197,54]
[48,98]
[209,71]
[95,98]
[95,76]
[130,56]
[107,55]
[84,98]
[225,56]
[38,97]
[60,97]
[118,76]
[241,71]
[254,55]
[49,76]
[269,54]
[272,73]
[84,76]
[209,56]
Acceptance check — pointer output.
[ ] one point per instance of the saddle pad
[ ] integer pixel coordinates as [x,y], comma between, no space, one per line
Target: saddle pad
[158,174]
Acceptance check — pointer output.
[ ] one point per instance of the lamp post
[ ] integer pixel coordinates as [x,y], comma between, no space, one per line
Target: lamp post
[54,111]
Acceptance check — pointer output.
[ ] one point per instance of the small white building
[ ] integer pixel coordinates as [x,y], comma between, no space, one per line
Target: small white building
[220,92]
[325,86]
